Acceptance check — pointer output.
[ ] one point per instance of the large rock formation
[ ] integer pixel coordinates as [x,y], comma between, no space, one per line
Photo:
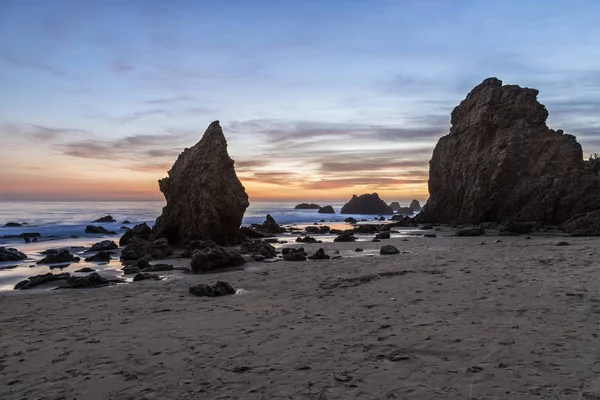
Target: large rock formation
[307,206]
[366,204]
[501,162]
[415,205]
[205,198]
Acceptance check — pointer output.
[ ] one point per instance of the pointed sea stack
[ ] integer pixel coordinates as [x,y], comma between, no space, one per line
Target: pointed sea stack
[205,198]
[367,204]
[501,162]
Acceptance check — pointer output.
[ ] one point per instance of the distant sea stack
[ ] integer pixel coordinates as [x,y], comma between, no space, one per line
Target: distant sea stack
[326,210]
[415,206]
[501,162]
[394,205]
[205,198]
[307,206]
[367,204]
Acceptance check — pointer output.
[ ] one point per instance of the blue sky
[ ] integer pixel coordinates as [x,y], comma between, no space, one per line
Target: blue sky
[327,98]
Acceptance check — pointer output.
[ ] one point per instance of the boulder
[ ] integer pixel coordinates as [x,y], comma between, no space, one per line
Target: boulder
[470,232]
[10,254]
[36,280]
[93,280]
[415,206]
[138,248]
[215,258]
[102,256]
[587,224]
[307,206]
[217,290]
[131,269]
[141,231]
[319,255]
[197,245]
[323,229]
[86,270]
[205,198]
[350,220]
[58,256]
[126,222]
[291,254]
[345,237]
[307,239]
[108,218]
[258,248]
[12,225]
[404,221]
[367,204]
[366,228]
[388,250]
[145,276]
[270,226]
[501,162]
[382,235]
[326,210]
[252,233]
[98,230]
[104,245]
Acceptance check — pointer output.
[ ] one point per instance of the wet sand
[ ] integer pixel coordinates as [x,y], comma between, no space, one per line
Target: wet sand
[452,318]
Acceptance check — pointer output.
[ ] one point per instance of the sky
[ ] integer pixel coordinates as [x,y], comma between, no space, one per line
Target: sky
[318,99]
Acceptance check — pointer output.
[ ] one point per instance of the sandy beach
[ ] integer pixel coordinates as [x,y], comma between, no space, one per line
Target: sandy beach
[451,318]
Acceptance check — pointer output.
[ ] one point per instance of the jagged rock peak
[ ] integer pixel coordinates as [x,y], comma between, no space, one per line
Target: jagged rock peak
[205,198]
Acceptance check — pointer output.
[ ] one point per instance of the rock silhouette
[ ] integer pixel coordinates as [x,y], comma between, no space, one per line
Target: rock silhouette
[367,204]
[501,162]
[205,198]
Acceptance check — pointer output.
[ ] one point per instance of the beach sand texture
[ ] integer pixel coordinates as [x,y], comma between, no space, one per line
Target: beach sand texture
[451,319]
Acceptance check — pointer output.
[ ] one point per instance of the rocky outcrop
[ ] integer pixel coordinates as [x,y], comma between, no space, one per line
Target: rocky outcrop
[258,248]
[215,258]
[345,237]
[93,280]
[307,206]
[388,250]
[12,225]
[307,239]
[470,232]
[326,210]
[216,290]
[58,256]
[291,254]
[104,245]
[197,245]
[107,218]
[270,226]
[141,231]
[323,229]
[415,206]
[37,280]
[143,276]
[251,233]
[10,254]
[98,230]
[587,224]
[138,248]
[367,204]
[102,256]
[319,255]
[500,162]
[205,198]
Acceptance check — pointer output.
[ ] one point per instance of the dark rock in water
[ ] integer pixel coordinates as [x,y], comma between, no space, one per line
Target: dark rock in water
[258,248]
[307,206]
[326,210]
[345,237]
[382,235]
[358,250]
[430,235]
[138,248]
[141,231]
[108,218]
[215,258]
[219,289]
[12,225]
[93,280]
[197,245]
[131,269]
[501,162]
[307,239]
[126,222]
[388,250]
[376,240]
[58,256]
[86,269]
[319,255]
[366,228]
[26,236]
[270,226]
[350,220]
[367,204]
[146,275]
[587,224]
[415,205]
[563,244]
[395,206]
[36,280]
[205,198]
[10,254]
[104,245]
[102,256]
[318,229]
[382,218]
[252,233]
[98,230]
[470,232]
[516,227]
[291,254]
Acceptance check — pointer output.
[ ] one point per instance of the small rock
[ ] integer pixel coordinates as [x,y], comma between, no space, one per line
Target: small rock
[358,250]
[219,289]
[86,269]
[429,235]
[102,256]
[563,244]
[388,249]
[319,255]
[98,230]
[107,218]
[145,275]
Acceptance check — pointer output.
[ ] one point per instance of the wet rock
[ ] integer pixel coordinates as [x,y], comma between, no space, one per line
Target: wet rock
[307,239]
[197,245]
[470,232]
[93,280]
[367,204]
[104,245]
[58,256]
[383,235]
[10,254]
[345,237]
[319,255]
[358,250]
[26,236]
[217,290]
[307,206]
[258,248]
[563,244]
[501,162]
[12,225]
[215,258]
[86,269]
[252,233]
[141,231]
[138,248]
[291,254]
[326,210]
[587,224]
[388,249]
[131,269]
[98,230]
[126,222]
[205,198]
[106,219]
[366,228]
[36,280]
[270,226]
[102,256]
[146,276]
[323,229]
[350,220]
